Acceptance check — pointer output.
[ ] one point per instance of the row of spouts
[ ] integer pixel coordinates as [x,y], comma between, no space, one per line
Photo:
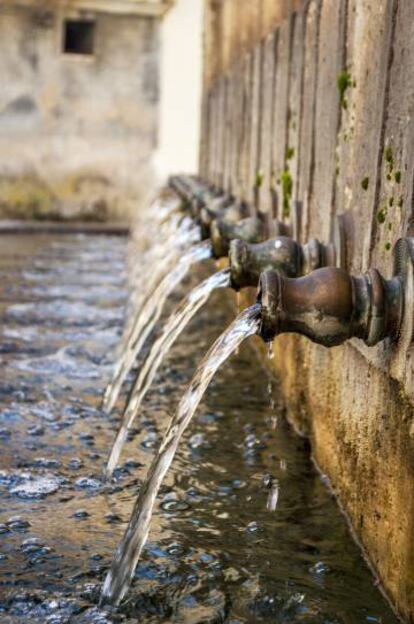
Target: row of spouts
[302,288]
[329,305]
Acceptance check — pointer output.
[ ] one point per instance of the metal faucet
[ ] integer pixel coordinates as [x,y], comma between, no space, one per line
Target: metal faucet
[248,261]
[329,306]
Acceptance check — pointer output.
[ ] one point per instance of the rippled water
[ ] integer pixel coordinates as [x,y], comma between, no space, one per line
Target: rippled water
[119,577]
[217,550]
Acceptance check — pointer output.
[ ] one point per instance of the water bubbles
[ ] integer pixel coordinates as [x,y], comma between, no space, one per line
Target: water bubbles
[294,600]
[32,545]
[319,568]
[196,440]
[176,550]
[81,514]
[75,463]
[253,527]
[132,464]
[18,523]
[36,430]
[112,518]
[88,483]
[87,438]
[151,441]
[44,462]
[172,503]
[31,486]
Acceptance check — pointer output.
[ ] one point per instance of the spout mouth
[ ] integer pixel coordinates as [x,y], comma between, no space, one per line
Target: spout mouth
[223,231]
[205,218]
[240,275]
[269,295]
[220,240]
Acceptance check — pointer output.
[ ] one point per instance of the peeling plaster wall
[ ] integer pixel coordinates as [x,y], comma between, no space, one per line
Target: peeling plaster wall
[311,105]
[76,133]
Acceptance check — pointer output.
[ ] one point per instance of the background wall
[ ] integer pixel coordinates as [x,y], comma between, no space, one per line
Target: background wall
[311,105]
[76,133]
[180,105]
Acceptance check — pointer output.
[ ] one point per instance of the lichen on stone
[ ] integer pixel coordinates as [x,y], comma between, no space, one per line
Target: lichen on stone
[344,81]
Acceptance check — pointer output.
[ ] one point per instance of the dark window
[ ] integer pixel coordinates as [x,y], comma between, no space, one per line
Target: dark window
[78,37]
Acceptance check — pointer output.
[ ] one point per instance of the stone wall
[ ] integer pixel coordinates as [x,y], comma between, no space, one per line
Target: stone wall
[77,133]
[309,110]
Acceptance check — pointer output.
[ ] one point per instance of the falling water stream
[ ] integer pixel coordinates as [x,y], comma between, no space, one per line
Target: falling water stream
[127,555]
[176,324]
[149,315]
[244,529]
[147,269]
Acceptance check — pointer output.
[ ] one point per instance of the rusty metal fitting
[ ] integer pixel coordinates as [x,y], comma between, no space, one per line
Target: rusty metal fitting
[226,210]
[329,306]
[252,230]
[283,254]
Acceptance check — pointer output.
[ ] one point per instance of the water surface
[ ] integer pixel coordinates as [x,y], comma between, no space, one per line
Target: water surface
[244,529]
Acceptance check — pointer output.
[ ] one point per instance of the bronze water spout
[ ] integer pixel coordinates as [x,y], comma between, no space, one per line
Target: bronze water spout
[248,261]
[329,306]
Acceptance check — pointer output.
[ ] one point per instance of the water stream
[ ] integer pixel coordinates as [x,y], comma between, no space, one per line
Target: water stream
[126,558]
[150,258]
[149,315]
[175,325]
[218,552]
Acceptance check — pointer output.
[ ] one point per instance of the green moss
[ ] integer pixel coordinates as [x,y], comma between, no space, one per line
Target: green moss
[287,187]
[400,202]
[390,226]
[389,159]
[381,215]
[397,177]
[344,81]
[259,179]
[389,155]
[391,201]
[290,152]
[365,183]
[387,246]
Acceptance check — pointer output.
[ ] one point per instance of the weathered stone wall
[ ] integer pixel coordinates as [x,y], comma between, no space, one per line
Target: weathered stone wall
[76,133]
[319,110]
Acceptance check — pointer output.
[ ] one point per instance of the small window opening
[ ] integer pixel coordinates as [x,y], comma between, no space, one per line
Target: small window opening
[78,37]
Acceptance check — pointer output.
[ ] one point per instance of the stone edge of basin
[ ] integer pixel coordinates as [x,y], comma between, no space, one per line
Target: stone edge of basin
[57,227]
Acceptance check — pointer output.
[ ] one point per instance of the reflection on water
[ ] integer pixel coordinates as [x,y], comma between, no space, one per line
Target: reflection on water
[244,530]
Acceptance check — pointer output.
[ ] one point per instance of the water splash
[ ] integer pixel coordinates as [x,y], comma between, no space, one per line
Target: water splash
[148,317]
[126,557]
[178,320]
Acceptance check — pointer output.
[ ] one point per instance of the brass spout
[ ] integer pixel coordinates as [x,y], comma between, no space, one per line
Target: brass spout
[248,261]
[329,306]
[252,230]
[222,208]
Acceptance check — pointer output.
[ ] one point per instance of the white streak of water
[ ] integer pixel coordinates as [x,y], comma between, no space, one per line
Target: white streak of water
[148,317]
[128,552]
[178,320]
